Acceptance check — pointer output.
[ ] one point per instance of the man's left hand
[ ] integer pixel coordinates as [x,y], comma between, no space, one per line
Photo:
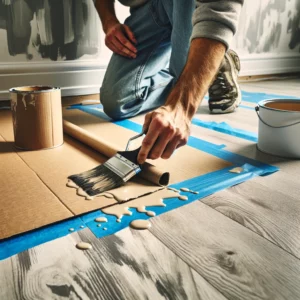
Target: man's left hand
[167,129]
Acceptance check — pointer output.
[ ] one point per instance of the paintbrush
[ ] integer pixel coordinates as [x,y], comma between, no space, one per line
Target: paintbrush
[113,173]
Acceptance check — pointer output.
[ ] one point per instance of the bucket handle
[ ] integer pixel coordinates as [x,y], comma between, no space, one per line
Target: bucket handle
[284,126]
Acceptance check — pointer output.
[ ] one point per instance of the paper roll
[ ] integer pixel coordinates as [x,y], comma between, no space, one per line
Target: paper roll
[149,172]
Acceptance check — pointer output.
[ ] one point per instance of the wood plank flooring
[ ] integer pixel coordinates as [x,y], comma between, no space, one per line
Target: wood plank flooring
[240,243]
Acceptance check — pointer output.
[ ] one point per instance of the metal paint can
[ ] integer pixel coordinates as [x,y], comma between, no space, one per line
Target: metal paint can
[37,117]
[279,127]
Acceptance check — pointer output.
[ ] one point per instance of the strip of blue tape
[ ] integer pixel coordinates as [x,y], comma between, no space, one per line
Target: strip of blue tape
[206,184]
[96,110]
[216,150]
[227,129]
[257,97]
[246,107]
[27,240]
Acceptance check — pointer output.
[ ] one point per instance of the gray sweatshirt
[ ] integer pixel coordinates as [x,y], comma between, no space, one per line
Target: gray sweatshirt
[215,19]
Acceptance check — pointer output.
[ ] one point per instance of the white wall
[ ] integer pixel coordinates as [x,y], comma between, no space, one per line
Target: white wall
[268,37]
[27,44]
[38,47]
[268,30]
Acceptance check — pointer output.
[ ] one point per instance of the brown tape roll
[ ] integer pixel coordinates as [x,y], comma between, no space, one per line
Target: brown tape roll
[37,117]
[149,172]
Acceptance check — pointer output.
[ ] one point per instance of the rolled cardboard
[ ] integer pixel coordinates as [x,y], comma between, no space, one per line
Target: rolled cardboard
[149,172]
[37,117]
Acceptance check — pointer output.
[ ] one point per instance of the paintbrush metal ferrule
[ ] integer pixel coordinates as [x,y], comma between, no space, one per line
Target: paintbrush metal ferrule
[123,167]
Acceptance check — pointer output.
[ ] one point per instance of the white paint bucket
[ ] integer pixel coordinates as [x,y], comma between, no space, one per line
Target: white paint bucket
[279,127]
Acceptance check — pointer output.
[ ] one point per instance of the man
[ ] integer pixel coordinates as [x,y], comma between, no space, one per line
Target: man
[166,55]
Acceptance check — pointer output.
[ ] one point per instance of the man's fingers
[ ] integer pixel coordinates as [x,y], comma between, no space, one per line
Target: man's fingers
[177,142]
[126,43]
[169,150]
[159,147]
[130,34]
[148,143]
[122,49]
[113,48]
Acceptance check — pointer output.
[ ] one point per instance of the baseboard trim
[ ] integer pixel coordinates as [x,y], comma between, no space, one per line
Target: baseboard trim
[268,65]
[72,83]
[85,77]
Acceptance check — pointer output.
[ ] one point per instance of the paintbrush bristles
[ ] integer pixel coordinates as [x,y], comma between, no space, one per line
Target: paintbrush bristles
[112,174]
[97,180]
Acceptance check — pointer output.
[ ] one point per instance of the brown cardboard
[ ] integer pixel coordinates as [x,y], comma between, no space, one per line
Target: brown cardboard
[25,202]
[33,183]
[37,117]
[33,192]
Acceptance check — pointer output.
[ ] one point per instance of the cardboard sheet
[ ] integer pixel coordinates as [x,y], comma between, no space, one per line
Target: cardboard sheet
[25,202]
[33,184]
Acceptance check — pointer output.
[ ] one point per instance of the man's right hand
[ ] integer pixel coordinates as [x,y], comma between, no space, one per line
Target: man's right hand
[120,39]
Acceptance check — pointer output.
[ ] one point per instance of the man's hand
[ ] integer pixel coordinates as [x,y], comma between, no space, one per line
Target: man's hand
[168,128]
[119,37]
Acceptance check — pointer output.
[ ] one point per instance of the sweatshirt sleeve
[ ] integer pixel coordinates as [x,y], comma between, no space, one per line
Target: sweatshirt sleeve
[216,19]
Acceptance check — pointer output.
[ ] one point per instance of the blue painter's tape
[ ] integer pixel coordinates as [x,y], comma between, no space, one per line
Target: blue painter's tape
[223,127]
[256,97]
[96,110]
[239,160]
[227,129]
[216,150]
[27,240]
[246,107]
[205,185]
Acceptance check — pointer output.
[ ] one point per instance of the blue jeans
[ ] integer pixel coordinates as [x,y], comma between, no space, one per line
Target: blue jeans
[163,29]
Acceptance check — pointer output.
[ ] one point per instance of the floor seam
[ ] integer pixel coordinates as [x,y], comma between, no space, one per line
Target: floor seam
[278,246]
[187,265]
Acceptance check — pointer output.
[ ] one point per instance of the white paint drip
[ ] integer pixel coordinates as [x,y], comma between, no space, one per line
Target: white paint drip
[140,224]
[237,170]
[140,204]
[101,220]
[83,246]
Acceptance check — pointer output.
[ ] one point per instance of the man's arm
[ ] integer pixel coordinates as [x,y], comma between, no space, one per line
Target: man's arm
[169,126]
[106,11]
[118,37]
[214,24]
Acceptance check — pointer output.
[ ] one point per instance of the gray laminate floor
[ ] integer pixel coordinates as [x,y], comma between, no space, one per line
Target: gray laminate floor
[241,243]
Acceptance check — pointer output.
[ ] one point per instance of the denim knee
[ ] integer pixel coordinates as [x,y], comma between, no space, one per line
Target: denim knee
[110,99]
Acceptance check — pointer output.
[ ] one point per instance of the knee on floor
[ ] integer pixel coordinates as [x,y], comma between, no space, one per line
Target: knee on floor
[119,106]
[112,104]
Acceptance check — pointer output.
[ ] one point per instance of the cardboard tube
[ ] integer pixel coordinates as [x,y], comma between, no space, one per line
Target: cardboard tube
[149,172]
